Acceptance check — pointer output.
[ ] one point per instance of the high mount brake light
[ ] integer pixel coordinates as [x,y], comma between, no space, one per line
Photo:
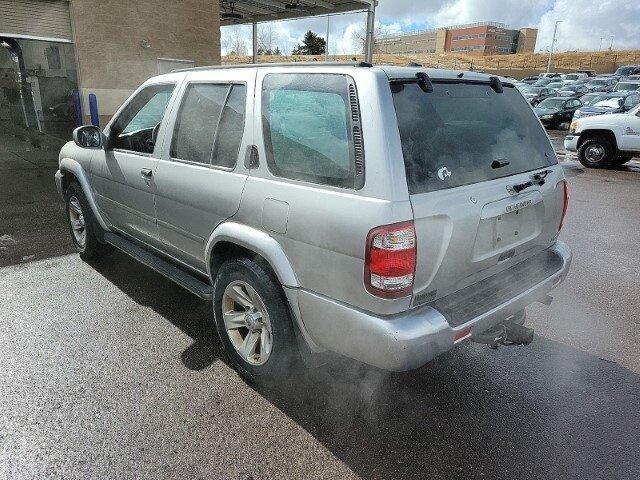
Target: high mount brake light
[390,260]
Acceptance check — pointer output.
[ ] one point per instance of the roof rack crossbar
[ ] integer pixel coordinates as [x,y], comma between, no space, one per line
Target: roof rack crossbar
[276,64]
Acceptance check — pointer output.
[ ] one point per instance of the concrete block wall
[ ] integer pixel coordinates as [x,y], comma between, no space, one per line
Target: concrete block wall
[118,43]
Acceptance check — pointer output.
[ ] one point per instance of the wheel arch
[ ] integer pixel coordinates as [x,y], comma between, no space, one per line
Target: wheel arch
[71,170]
[598,132]
[232,238]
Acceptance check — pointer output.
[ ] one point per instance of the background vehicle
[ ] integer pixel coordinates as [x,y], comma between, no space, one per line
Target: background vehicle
[608,103]
[247,186]
[556,85]
[535,95]
[572,77]
[573,91]
[600,84]
[530,80]
[627,70]
[606,140]
[543,82]
[554,111]
[627,86]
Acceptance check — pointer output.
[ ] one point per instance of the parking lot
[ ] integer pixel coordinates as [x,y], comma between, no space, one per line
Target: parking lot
[111,371]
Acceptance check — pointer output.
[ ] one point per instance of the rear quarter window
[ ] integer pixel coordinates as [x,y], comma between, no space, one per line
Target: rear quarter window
[308,128]
[453,135]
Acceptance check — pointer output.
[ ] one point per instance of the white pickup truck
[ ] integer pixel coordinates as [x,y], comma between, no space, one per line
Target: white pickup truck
[605,140]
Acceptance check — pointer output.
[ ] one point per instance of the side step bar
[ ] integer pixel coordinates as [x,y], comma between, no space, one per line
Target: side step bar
[155,262]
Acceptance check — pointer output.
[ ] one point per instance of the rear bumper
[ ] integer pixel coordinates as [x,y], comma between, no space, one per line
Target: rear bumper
[571,143]
[411,339]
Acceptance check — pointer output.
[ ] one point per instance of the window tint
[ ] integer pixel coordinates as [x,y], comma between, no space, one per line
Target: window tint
[133,129]
[307,127]
[195,128]
[231,128]
[451,136]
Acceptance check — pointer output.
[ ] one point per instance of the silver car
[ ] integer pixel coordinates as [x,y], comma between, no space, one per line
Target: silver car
[385,214]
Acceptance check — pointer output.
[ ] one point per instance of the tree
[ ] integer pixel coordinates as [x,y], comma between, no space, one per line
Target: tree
[235,43]
[312,44]
[359,36]
[267,40]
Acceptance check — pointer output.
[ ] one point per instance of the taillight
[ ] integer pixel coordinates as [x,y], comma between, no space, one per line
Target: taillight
[390,260]
[565,206]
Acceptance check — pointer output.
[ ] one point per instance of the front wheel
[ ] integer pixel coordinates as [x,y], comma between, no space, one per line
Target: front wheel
[253,322]
[82,224]
[596,152]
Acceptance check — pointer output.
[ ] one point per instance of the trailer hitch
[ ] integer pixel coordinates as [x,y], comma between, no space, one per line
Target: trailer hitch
[507,334]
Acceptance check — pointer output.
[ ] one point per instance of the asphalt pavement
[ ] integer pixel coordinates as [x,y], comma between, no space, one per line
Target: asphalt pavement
[108,370]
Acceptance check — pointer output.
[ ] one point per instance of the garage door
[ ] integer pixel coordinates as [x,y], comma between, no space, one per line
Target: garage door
[40,19]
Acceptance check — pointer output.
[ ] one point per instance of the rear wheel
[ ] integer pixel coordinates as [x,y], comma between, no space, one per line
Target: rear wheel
[253,322]
[83,225]
[596,152]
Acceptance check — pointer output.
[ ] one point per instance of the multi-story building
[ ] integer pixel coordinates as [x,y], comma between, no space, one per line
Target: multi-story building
[485,38]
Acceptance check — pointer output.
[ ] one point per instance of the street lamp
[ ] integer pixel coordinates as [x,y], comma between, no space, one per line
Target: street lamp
[555,30]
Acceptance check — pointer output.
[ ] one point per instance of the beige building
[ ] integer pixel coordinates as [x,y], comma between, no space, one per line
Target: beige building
[115,46]
[483,38]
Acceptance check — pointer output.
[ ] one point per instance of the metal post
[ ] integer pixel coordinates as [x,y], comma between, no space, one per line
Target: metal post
[371,23]
[611,44]
[327,47]
[254,29]
[553,43]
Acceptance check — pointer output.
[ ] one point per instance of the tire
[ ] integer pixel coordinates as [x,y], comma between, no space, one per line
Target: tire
[83,226]
[262,296]
[596,152]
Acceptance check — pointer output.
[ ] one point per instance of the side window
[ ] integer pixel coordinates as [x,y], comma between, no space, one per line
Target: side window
[632,100]
[210,124]
[135,128]
[197,121]
[231,128]
[309,128]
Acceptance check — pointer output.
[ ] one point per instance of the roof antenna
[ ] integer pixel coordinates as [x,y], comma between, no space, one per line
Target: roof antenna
[461,74]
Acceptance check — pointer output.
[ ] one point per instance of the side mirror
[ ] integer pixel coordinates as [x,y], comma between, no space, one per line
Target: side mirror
[88,136]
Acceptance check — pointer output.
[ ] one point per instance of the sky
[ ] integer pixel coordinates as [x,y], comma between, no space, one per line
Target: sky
[586,25]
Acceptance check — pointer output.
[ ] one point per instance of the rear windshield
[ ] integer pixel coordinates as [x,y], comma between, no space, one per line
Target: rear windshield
[465,133]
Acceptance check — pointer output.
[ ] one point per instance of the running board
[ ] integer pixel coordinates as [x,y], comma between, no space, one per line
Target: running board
[158,264]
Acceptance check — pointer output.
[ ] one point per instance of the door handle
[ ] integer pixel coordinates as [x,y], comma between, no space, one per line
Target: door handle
[146,173]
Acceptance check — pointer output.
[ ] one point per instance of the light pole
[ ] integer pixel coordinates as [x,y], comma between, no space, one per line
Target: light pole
[611,44]
[600,47]
[553,43]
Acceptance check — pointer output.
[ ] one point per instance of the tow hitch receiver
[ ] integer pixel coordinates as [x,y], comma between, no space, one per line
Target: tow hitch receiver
[505,334]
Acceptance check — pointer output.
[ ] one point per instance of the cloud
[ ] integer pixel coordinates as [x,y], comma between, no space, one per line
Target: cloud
[584,21]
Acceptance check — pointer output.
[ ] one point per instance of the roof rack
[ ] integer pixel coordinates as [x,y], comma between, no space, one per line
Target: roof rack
[277,64]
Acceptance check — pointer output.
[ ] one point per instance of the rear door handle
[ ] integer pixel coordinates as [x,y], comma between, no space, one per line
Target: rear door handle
[146,173]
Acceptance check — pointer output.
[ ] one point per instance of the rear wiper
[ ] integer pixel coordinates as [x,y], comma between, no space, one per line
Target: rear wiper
[537,178]
[498,164]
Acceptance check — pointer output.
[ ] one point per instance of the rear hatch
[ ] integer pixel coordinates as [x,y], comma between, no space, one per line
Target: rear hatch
[467,150]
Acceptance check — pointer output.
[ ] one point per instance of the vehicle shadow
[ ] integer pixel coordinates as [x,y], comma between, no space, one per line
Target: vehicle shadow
[184,310]
[543,411]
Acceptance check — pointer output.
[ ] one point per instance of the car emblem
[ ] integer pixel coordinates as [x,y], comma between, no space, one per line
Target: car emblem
[444,173]
[511,190]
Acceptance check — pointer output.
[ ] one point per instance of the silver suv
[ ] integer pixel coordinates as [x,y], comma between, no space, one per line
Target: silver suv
[382,213]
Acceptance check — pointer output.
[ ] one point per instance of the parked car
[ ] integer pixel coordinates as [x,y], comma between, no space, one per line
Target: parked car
[608,103]
[627,86]
[589,73]
[307,220]
[556,85]
[589,98]
[632,78]
[555,111]
[543,82]
[627,70]
[602,84]
[573,91]
[551,75]
[535,95]
[605,140]
[530,80]
[572,77]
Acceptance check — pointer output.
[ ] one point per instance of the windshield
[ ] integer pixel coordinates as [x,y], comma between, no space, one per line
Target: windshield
[623,71]
[552,103]
[534,90]
[627,87]
[589,98]
[460,129]
[571,77]
[598,82]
